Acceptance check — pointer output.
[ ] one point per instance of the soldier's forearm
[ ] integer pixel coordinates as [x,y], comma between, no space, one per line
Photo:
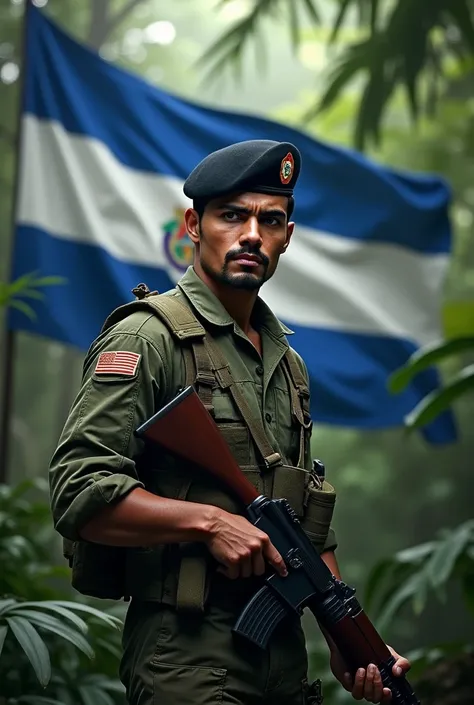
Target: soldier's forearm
[329,557]
[143,519]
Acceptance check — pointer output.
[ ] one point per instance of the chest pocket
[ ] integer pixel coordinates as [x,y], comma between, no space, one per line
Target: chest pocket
[288,426]
[232,427]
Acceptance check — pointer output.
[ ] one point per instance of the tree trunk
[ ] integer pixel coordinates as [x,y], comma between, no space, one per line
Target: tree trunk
[99,23]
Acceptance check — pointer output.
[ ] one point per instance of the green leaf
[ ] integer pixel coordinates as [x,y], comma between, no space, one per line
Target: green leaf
[377,577]
[426,357]
[32,294]
[37,700]
[312,11]
[23,307]
[439,400]
[5,605]
[94,696]
[341,16]
[228,49]
[294,24]
[373,101]
[63,611]
[107,645]
[92,611]
[461,13]
[441,564]
[415,554]
[33,646]
[415,583]
[374,15]
[3,634]
[54,625]
[49,281]
[355,59]
[115,686]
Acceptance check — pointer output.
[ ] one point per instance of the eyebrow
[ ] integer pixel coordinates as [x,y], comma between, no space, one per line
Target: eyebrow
[247,211]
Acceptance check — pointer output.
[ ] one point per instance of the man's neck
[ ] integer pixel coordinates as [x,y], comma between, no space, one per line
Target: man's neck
[238,303]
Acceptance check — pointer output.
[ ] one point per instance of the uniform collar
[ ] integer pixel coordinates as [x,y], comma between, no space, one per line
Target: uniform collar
[210,308]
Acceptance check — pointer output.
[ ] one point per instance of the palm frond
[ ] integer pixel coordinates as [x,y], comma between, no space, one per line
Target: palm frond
[229,48]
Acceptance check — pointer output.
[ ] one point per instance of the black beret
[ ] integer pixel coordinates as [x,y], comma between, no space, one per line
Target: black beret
[263,166]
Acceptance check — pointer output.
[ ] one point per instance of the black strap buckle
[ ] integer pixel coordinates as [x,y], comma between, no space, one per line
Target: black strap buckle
[315,693]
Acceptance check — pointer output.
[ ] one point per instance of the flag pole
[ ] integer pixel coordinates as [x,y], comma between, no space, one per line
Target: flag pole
[9,348]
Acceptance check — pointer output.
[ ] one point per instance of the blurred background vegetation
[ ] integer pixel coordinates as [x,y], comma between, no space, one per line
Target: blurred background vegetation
[392,77]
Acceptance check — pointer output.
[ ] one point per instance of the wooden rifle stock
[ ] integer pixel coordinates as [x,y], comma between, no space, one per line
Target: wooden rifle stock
[185,428]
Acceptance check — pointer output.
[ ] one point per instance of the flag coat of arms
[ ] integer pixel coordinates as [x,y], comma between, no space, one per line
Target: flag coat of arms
[103,160]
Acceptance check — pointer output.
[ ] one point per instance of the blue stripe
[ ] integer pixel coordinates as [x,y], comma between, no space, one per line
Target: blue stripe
[339,191]
[348,372]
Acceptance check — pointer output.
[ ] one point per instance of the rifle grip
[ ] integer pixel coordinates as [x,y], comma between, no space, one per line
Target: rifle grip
[260,617]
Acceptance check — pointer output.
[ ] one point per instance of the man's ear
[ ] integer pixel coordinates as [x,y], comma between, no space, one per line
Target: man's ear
[191,220]
[289,232]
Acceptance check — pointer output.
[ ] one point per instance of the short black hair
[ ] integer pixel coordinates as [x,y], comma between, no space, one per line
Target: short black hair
[200,204]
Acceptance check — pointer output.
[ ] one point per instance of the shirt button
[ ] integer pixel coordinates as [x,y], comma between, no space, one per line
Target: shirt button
[268,417]
[259,370]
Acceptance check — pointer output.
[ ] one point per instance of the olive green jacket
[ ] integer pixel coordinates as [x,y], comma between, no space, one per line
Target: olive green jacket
[95,461]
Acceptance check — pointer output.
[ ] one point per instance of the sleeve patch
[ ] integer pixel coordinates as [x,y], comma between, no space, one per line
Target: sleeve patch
[117,363]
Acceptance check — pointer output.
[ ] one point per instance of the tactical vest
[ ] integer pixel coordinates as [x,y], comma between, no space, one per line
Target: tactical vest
[179,575]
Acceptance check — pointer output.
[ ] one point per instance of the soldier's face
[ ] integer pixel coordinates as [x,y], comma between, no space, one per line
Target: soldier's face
[240,238]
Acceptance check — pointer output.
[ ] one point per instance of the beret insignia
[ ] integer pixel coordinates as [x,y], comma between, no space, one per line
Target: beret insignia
[286,168]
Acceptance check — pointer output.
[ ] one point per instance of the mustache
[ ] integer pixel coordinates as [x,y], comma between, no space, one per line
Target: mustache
[234,254]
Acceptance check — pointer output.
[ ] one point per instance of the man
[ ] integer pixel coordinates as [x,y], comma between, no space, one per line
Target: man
[170,529]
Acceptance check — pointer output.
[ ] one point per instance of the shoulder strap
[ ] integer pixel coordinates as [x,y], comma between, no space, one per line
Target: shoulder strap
[177,316]
[253,423]
[299,394]
[183,324]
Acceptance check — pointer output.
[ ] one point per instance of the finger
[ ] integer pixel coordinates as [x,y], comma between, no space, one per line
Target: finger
[369,683]
[377,686]
[230,571]
[275,559]
[386,695]
[258,564]
[358,687]
[401,666]
[246,567]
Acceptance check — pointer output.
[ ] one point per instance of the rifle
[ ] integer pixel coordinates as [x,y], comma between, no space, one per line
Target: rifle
[186,429]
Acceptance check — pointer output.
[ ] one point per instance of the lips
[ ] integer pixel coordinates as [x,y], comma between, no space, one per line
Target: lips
[251,259]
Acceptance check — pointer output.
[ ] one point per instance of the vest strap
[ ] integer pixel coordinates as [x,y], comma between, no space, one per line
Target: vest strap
[253,423]
[299,394]
[205,379]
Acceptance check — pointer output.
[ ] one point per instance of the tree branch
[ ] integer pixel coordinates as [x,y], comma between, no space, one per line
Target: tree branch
[122,14]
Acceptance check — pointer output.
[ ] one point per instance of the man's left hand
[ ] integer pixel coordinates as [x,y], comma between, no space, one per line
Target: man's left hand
[367,684]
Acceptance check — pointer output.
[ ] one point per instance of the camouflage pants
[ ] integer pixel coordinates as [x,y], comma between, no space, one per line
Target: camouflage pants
[173,658]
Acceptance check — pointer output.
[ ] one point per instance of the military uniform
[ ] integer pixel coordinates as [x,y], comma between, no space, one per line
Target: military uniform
[178,644]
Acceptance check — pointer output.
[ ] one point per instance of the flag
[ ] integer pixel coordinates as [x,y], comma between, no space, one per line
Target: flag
[104,158]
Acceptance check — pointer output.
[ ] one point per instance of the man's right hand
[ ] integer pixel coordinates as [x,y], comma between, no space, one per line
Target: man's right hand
[240,548]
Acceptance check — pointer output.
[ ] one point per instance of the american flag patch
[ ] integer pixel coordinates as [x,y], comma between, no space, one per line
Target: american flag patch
[117,363]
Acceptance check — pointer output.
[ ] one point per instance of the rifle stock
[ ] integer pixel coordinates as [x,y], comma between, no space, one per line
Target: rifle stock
[184,428]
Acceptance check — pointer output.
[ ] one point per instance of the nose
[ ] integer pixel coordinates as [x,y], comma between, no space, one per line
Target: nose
[251,232]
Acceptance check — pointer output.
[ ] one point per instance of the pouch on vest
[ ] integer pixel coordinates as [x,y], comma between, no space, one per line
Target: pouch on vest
[97,570]
[320,501]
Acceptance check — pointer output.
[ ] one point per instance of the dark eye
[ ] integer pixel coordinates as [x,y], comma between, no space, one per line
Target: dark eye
[273,222]
[231,216]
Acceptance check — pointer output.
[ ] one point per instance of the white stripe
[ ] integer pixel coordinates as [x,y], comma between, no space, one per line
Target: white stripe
[324,281]
[74,188]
